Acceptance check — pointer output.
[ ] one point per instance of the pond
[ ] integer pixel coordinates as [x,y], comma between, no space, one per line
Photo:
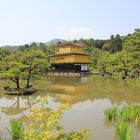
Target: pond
[88,98]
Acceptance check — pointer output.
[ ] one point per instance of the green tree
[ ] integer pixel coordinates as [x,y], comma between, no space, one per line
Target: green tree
[24,47]
[43,47]
[104,61]
[114,44]
[124,58]
[24,65]
[132,47]
[4,53]
[34,45]
[12,69]
[14,72]
[36,61]
[95,55]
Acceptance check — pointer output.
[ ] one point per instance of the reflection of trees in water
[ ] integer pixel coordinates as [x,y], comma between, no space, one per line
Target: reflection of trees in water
[95,88]
[17,106]
[115,90]
[73,90]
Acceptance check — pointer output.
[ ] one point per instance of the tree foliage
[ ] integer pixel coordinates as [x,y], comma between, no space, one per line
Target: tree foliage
[114,44]
[25,64]
[118,56]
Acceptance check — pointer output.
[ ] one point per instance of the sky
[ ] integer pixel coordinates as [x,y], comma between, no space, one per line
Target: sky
[26,21]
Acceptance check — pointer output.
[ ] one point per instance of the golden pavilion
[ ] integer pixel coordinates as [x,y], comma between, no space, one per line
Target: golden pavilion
[69,59]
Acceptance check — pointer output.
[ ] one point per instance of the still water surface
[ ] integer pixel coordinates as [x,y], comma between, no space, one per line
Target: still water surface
[88,98]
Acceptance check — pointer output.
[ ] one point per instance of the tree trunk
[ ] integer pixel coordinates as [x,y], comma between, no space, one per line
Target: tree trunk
[28,79]
[104,71]
[17,82]
[125,68]
[126,72]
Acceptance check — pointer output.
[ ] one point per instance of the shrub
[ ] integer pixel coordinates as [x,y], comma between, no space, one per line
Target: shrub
[44,126]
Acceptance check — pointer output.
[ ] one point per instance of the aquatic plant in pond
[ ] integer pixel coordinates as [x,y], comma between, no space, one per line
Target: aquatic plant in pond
[123,119]
[123,130]
[135,112]
[16,129]
[111,113]
[129,113]
[135,115]
[125,114]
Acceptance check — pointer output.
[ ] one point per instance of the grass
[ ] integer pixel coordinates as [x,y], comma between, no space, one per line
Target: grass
[123,131]
[124,118]
[111,113]
[129,113]
[16,129]
[135,112]
[125,114]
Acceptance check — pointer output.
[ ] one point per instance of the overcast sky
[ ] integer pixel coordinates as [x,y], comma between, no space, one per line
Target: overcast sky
[25,21]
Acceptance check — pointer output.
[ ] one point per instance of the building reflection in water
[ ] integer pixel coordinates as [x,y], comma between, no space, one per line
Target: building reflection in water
[76,89]
[88,97]
[68,89]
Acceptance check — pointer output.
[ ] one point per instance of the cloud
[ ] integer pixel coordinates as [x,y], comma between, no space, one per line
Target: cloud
[76,32]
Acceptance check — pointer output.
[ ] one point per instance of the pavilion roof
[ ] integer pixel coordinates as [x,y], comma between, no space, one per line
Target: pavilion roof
[67,44]
[66,54]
